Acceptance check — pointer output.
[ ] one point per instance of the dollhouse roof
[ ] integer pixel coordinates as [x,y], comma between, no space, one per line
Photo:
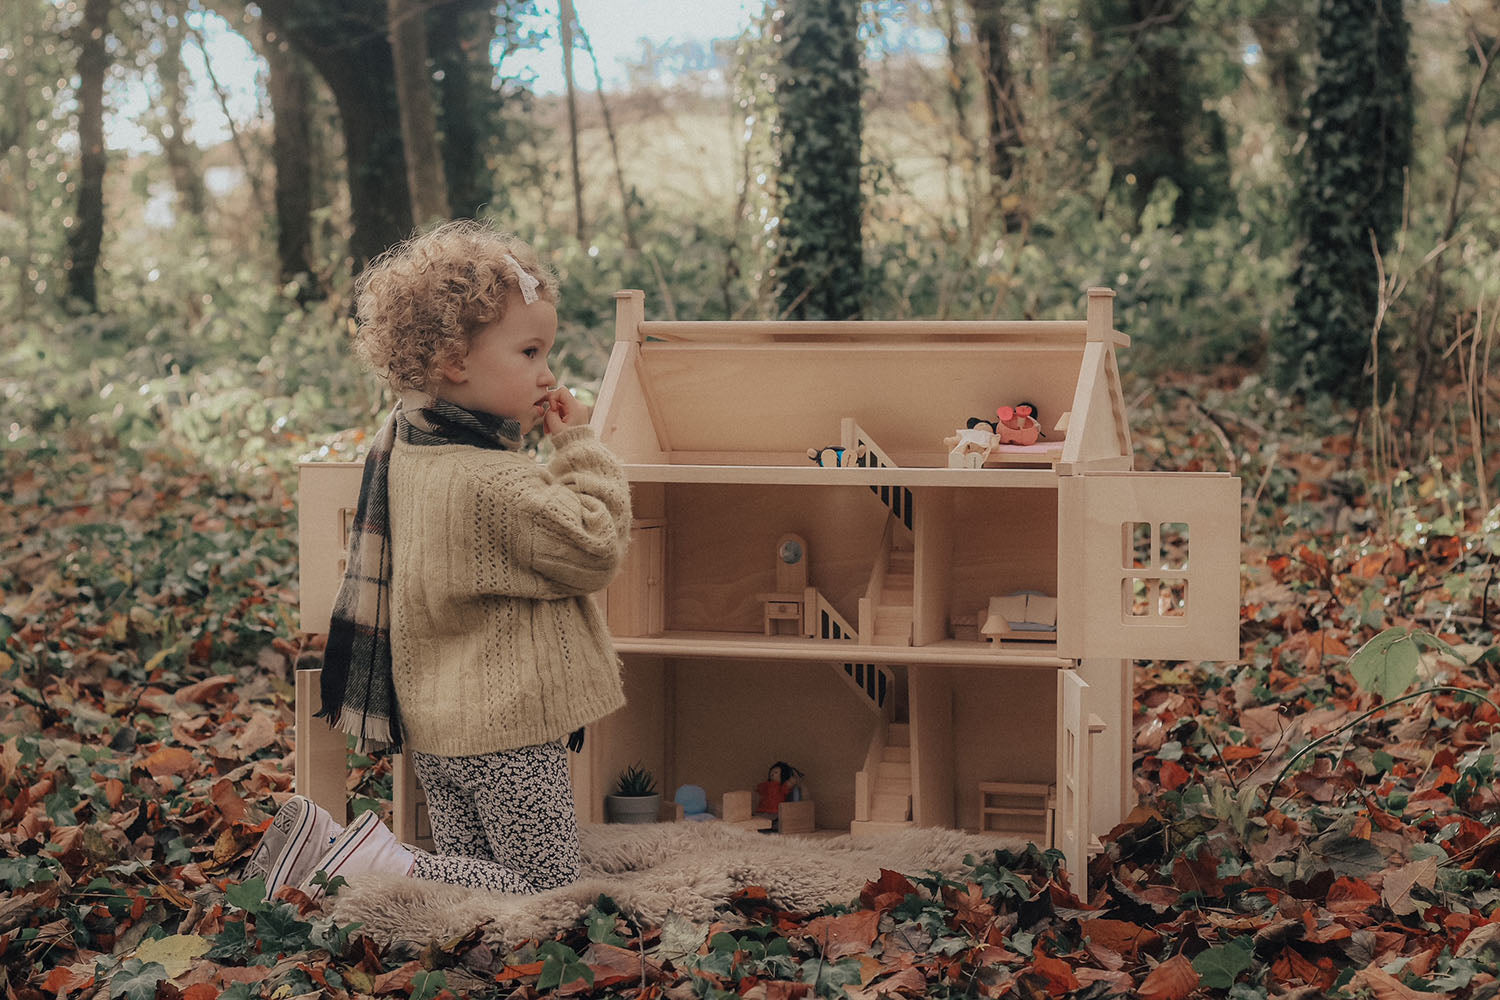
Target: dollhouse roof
[762,393]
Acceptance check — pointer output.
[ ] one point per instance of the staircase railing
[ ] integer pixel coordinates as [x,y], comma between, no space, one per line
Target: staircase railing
[871,456]
[875,683]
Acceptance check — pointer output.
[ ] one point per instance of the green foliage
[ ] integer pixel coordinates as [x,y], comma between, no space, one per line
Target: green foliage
[601,925]
[280,931]
[819,144]
[136,980]
[634,781]
[1220,966]
[560,965]
[1359,144]
[426,985]
[1157,81]
[1387,664]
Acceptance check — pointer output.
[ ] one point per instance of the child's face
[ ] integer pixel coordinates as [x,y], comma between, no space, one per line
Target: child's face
[505,372]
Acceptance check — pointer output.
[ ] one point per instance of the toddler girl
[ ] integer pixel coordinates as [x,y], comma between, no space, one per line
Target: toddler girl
[464,632]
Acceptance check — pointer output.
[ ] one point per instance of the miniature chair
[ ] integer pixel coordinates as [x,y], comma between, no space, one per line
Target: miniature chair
[788,602]
[691,803]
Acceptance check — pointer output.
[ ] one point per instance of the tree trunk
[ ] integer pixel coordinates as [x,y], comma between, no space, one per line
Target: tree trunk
[458,42]
[290,91]
[181,156]
[1001,112]
[347,44]
[88,226]
[565,23]
[424,161]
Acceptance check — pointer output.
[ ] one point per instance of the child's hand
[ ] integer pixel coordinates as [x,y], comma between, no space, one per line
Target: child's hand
[563,411]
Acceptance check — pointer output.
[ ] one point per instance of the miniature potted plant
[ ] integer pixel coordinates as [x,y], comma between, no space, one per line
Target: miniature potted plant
[635,799]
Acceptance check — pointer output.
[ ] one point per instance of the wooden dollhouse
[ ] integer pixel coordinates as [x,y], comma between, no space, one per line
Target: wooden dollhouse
[934,643]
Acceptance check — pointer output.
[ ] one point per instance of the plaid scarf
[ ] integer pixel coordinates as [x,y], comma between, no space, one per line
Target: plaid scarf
[359,695]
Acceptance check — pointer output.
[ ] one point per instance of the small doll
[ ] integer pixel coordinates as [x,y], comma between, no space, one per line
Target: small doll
[782,784]
[835,456]
[1018,424]
[969,447]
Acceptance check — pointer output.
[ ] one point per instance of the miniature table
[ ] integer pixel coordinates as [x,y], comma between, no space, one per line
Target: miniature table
[783,607]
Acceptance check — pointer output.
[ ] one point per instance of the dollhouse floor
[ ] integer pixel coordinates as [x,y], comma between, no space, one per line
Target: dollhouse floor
[751,646]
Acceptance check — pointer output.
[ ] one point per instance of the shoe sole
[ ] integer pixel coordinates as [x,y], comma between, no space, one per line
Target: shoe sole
[294,848]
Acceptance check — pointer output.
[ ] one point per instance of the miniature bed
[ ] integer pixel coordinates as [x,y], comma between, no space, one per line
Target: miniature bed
[830,611]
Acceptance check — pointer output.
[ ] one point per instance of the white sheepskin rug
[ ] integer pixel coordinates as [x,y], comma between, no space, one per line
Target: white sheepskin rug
[650,870]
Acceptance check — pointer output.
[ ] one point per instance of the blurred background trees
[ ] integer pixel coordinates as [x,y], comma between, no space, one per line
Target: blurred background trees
[1230,167]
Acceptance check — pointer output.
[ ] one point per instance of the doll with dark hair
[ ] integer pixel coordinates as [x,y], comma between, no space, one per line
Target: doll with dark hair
[783,784]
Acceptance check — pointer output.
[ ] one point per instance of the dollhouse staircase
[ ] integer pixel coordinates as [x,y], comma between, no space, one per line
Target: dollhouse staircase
[894,607]
[870,456]
[882,801]
[871,681]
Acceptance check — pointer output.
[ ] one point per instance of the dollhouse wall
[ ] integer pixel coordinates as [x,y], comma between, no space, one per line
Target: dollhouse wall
[734,719]
[1004,725]
[1005,540]
[720,724]
[721,549]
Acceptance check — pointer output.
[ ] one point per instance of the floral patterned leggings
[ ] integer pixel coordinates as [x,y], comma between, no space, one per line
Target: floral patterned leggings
[501,820]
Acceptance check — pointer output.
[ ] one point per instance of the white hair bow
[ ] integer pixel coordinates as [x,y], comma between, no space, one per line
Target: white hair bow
[528,284]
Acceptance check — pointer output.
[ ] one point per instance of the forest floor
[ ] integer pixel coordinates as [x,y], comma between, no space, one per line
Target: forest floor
[147,636]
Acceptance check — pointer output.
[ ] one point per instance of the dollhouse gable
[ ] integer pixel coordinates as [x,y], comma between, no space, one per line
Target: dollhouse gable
[761,394]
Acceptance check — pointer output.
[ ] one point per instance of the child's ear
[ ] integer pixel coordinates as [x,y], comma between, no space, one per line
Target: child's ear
[455,372]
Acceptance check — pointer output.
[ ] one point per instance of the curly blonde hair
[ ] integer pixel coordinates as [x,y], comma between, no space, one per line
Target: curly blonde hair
[420,303]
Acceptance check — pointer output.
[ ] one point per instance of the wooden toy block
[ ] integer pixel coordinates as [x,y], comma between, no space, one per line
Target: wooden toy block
[735,808]
[875,672]
[795,817]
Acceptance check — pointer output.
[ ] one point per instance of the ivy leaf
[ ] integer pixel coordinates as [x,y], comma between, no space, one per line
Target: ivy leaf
[1220,967]
[679,937]
[231,944]
[829,978]
[1387,664]
[249,895]
[601,927]
[280,932]
[426,985]
[136,980]
[561,964]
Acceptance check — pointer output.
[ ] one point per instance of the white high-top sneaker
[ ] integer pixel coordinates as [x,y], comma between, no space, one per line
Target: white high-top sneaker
[365,846]
[298,835]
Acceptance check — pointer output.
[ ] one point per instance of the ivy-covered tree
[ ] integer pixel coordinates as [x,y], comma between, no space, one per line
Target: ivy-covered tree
[818,87]
[1359,144]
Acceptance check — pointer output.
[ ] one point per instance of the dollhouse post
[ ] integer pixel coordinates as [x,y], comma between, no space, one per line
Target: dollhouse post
[630,312]
[1101,315]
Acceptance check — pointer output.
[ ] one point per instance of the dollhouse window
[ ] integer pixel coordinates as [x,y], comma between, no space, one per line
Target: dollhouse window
[1157,556]
[1174,545]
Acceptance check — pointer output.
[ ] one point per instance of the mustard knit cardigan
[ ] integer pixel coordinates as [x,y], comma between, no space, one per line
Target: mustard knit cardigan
[496,643]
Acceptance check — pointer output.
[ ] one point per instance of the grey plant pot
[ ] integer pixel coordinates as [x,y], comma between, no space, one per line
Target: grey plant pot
[633,808]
